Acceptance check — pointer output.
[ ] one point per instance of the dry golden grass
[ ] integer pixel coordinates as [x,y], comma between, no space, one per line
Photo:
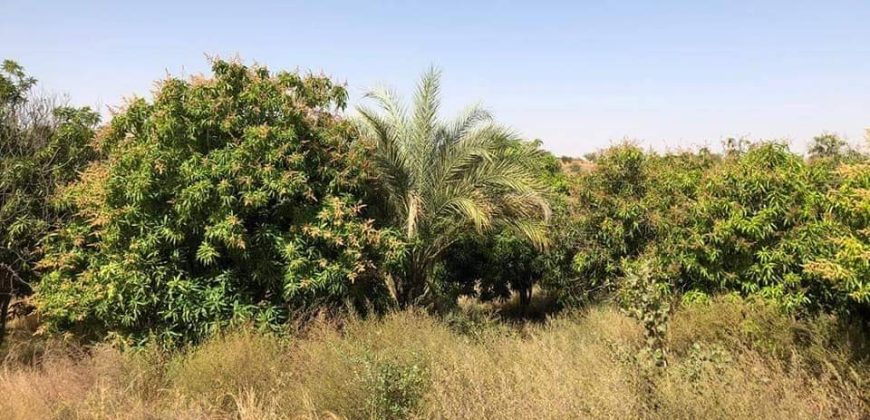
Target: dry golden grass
[727,360]
[562,370]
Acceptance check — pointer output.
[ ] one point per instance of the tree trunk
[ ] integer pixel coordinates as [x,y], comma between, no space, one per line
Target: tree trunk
[525,296]
[8,278]
[412,286]
[5,298]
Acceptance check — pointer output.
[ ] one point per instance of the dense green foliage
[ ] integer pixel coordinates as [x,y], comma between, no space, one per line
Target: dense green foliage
[761,221]
[499,263]
[228,198]
[42,147]
[630,204]
[248,196]
[758,219]
[846,269]
[441,180]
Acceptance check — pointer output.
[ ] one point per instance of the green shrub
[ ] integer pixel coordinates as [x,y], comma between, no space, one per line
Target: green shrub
[760,221]
[632,202]
[645,294]
[846,269]
[224,199]
[395,387]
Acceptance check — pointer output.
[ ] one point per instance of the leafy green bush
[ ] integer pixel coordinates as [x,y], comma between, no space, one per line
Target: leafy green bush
[847,268]
[758,219]
[612,222]
[645,295]
[225,199]
[396,387]
[631,203]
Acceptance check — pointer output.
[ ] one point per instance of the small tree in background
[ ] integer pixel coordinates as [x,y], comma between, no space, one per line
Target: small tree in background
[827,145]
[831,149]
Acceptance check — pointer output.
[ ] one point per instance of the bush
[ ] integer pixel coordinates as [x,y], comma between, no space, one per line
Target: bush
[632,203]
[757,221]
[615,221]
[225,199]
[760,221]
[846,269]
[396,388]
[645,295]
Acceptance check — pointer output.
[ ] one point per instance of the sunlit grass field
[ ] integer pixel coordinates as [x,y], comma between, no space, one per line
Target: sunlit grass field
[726,359]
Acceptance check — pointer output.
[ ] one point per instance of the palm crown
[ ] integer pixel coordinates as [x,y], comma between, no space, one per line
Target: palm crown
[442,179]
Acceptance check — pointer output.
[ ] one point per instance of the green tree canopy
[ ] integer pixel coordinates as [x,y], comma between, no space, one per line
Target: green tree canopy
[847,268]
[225,198]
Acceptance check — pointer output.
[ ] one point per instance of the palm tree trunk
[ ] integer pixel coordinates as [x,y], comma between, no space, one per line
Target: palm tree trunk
[413,285]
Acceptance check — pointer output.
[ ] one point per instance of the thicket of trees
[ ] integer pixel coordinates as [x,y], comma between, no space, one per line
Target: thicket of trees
[763,221]
[254,196]
[43,146]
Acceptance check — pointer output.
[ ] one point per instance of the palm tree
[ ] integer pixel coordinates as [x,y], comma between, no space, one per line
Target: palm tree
[440,179]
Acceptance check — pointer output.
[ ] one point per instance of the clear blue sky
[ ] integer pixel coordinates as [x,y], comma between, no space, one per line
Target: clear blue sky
[578,75]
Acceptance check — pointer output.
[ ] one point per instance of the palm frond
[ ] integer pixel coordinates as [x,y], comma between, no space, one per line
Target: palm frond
[391,104]
[426,104]
[444,179]
[476,211]
[535,231]
[468,119]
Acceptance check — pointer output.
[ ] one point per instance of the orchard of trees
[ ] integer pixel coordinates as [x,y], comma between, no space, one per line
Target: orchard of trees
[255,196]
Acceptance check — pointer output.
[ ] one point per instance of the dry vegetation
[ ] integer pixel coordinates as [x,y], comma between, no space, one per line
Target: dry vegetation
[221,208]
[728,359]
